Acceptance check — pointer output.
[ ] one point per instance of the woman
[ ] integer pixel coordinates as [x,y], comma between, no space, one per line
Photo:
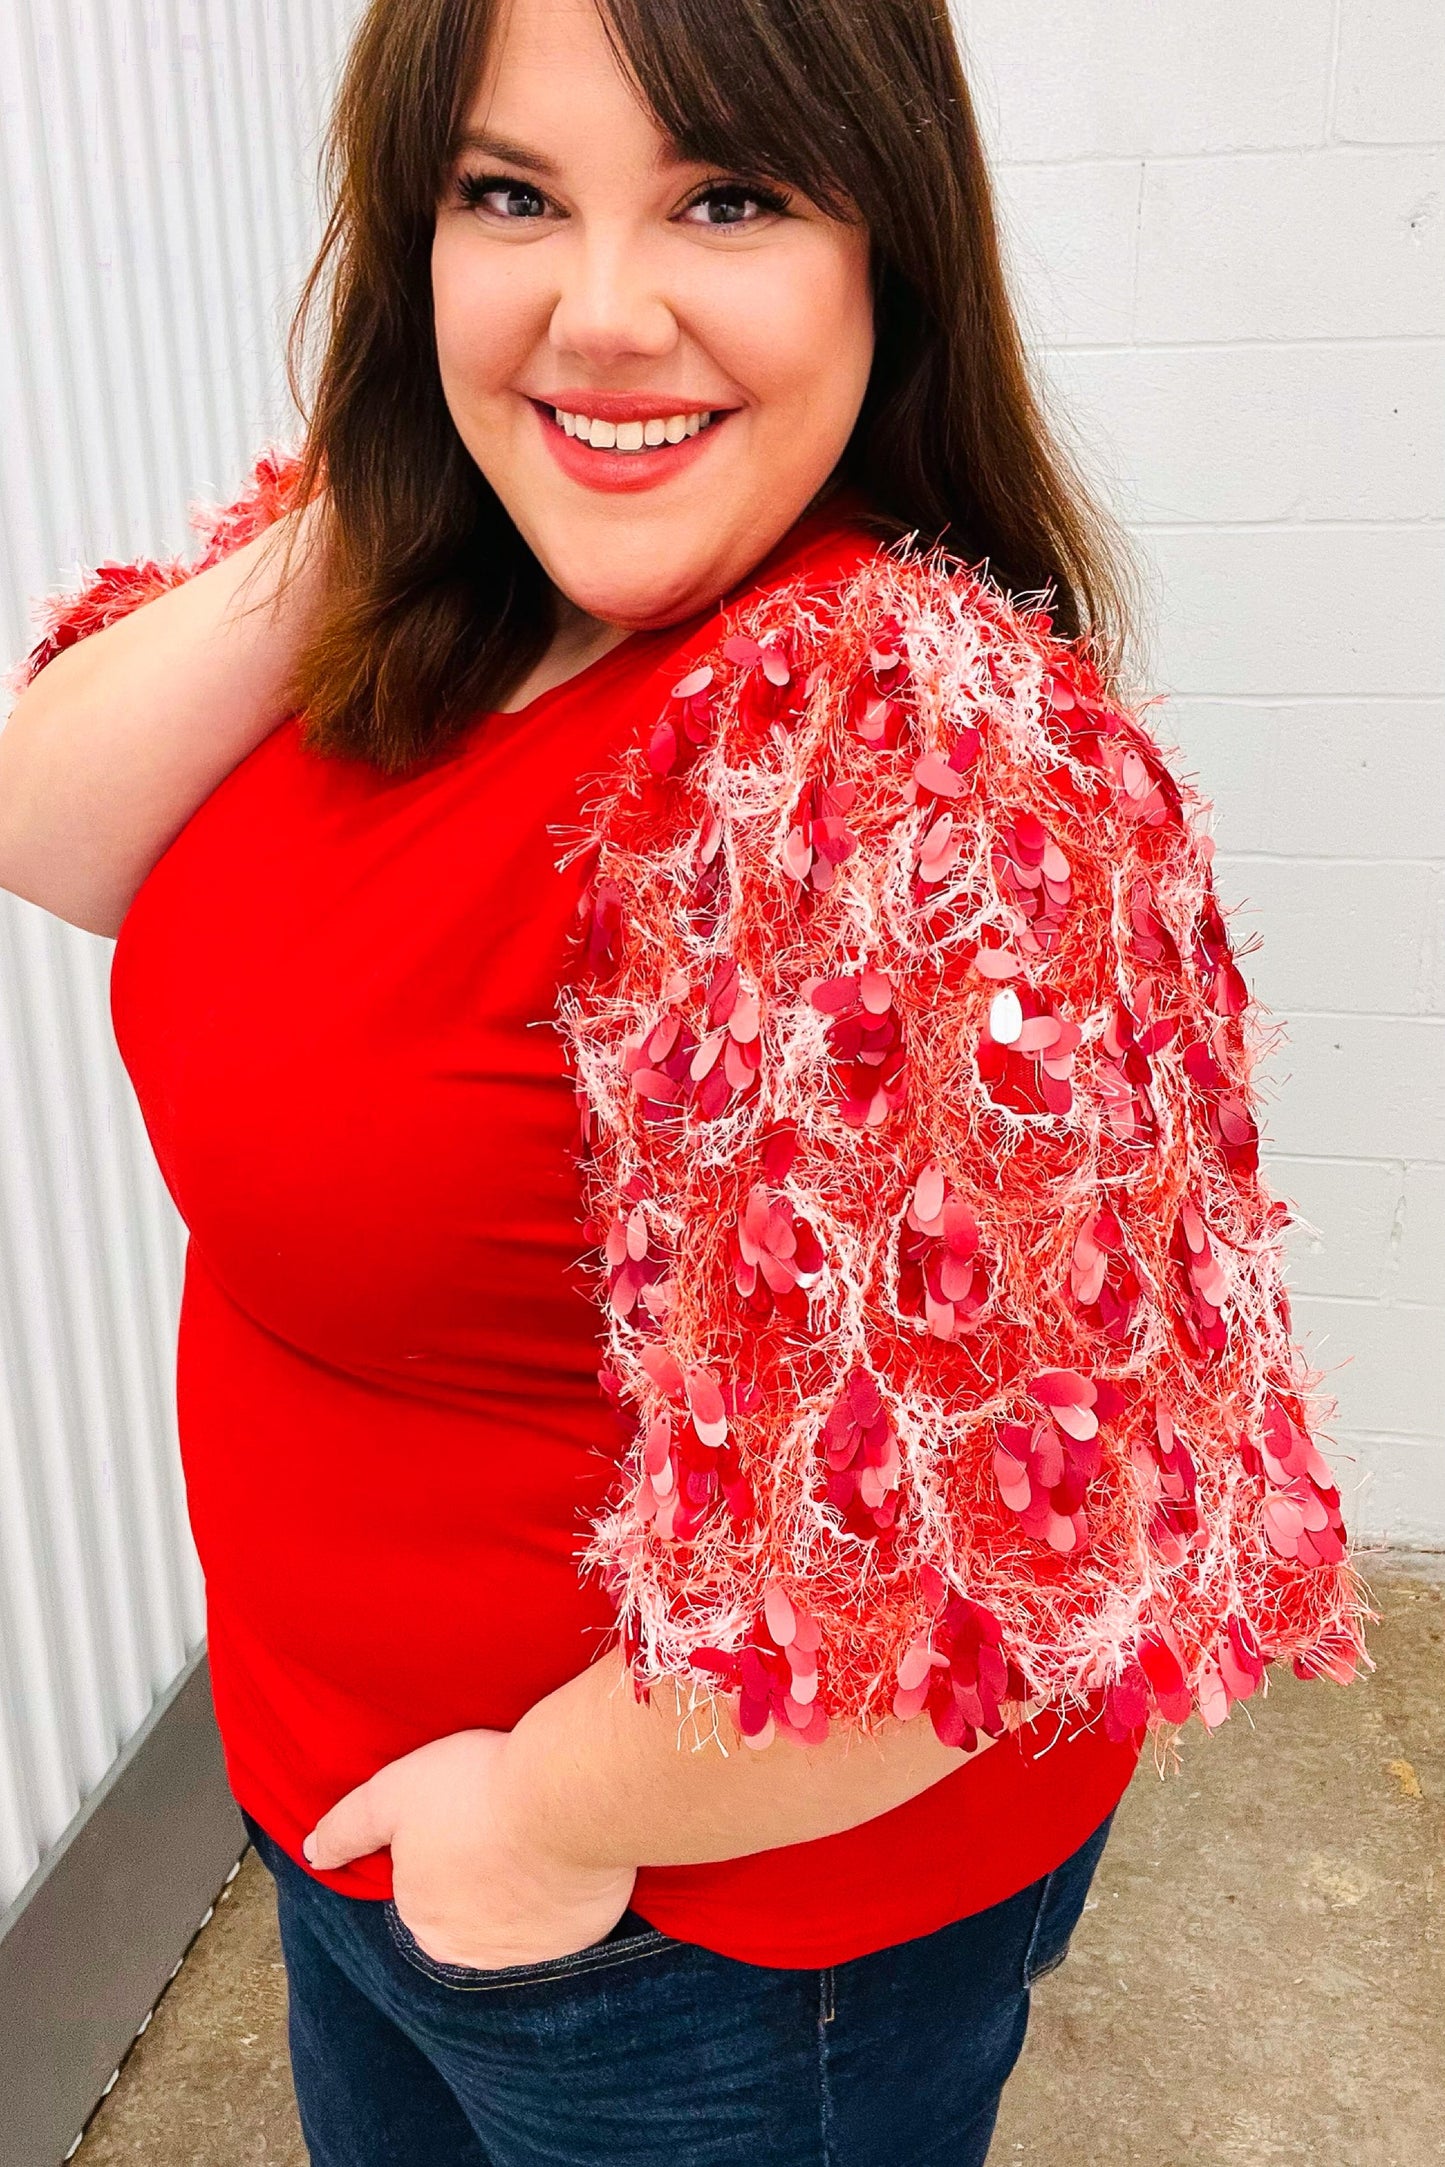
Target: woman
[586,668]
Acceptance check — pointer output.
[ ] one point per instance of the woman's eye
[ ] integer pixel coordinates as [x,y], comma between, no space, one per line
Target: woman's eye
[505,199]
[734,204]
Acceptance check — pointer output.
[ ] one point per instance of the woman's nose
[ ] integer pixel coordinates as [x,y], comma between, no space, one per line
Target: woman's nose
[609,305]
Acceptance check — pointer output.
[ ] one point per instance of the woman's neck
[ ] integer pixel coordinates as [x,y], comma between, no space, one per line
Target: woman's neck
[577,640]
[580,639]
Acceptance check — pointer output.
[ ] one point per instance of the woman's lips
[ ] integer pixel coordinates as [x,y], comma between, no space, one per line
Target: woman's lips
[621,472]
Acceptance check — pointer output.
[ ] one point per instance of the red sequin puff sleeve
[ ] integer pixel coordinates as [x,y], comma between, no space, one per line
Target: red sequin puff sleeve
[115,589]
[944,1304]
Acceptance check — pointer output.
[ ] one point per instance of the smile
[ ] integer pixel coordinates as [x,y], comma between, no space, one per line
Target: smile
[629,450]
[631,436]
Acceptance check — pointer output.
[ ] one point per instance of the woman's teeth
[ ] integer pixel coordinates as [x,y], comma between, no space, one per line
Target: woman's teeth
[631,435]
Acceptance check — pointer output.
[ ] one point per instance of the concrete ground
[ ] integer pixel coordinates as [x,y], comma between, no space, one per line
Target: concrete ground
[1259,1978]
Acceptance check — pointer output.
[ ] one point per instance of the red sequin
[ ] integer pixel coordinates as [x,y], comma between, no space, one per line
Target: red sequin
[942,1274]
[1026,1053]
[860,1450]
[865,1039]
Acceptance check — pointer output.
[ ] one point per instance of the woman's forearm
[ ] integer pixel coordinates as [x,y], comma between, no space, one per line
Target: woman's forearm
[115,744]
[602,1780]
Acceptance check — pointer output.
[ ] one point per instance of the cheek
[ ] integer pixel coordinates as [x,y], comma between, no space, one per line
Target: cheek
[801,333]
[483,317]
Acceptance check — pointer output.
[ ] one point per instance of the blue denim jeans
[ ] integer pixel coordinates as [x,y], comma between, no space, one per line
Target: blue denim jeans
[643,2051]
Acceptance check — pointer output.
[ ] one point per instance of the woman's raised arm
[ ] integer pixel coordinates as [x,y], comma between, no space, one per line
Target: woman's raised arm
[118,739]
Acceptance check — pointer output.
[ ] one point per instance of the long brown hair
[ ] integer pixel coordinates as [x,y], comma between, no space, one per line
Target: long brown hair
[433,607]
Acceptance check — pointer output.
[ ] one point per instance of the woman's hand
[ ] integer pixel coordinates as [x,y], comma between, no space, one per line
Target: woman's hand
[472,1886]
[512,1846]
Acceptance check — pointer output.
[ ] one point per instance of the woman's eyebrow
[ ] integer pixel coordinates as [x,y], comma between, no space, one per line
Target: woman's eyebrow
[483,143]
[512,154]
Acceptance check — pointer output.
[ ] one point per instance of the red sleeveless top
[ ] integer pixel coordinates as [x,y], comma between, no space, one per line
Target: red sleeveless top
[333,994]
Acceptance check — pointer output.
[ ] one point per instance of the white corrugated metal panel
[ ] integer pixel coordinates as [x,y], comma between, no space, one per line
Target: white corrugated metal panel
[157,210]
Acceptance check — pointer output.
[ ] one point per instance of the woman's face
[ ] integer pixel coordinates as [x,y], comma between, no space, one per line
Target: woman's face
[581,268]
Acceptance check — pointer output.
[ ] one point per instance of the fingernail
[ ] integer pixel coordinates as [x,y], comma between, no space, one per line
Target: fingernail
[308,1850]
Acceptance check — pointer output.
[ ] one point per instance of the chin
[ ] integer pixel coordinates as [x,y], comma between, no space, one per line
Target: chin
[644,596]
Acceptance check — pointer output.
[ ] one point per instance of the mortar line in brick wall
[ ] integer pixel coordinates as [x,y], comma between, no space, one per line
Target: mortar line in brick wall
[1286,526]
[1277,151]
[1402,142]
[1219,346]
[1370,1301]
[1285,1162]
[1291,857]
[1430,1438]
[1134,241]
[1273,700]
[1401,1161]
[1332,84]
[1358,1015]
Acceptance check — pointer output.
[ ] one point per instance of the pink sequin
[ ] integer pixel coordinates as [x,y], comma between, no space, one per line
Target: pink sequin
[865,1039]
[860,1450]
[942,1274]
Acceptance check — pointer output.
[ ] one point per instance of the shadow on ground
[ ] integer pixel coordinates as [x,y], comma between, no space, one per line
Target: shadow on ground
[1259,1978]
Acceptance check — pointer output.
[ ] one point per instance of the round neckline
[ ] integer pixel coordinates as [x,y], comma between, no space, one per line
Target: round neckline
[842,508]
[626,645]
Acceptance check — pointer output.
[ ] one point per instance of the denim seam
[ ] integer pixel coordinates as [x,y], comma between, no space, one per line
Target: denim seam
[467,1979]
[825,2093]
[1044,1893]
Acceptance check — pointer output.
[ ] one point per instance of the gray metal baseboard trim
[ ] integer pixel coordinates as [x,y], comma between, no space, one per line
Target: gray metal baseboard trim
[88,1946]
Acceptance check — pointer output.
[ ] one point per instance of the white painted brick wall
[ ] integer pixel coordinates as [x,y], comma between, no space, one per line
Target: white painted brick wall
[1227,227]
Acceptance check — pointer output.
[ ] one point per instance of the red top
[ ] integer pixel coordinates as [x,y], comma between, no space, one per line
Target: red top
[333,994]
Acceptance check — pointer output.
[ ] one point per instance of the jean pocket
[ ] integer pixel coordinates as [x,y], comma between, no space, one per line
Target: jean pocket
[265,1846]
[1062,1895]
[630,1939]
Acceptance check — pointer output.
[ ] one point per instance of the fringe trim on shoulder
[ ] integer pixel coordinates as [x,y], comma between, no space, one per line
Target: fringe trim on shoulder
[113,590]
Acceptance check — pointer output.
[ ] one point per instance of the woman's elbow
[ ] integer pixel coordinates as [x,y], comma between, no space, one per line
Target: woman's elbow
[42,860]
[29,876]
